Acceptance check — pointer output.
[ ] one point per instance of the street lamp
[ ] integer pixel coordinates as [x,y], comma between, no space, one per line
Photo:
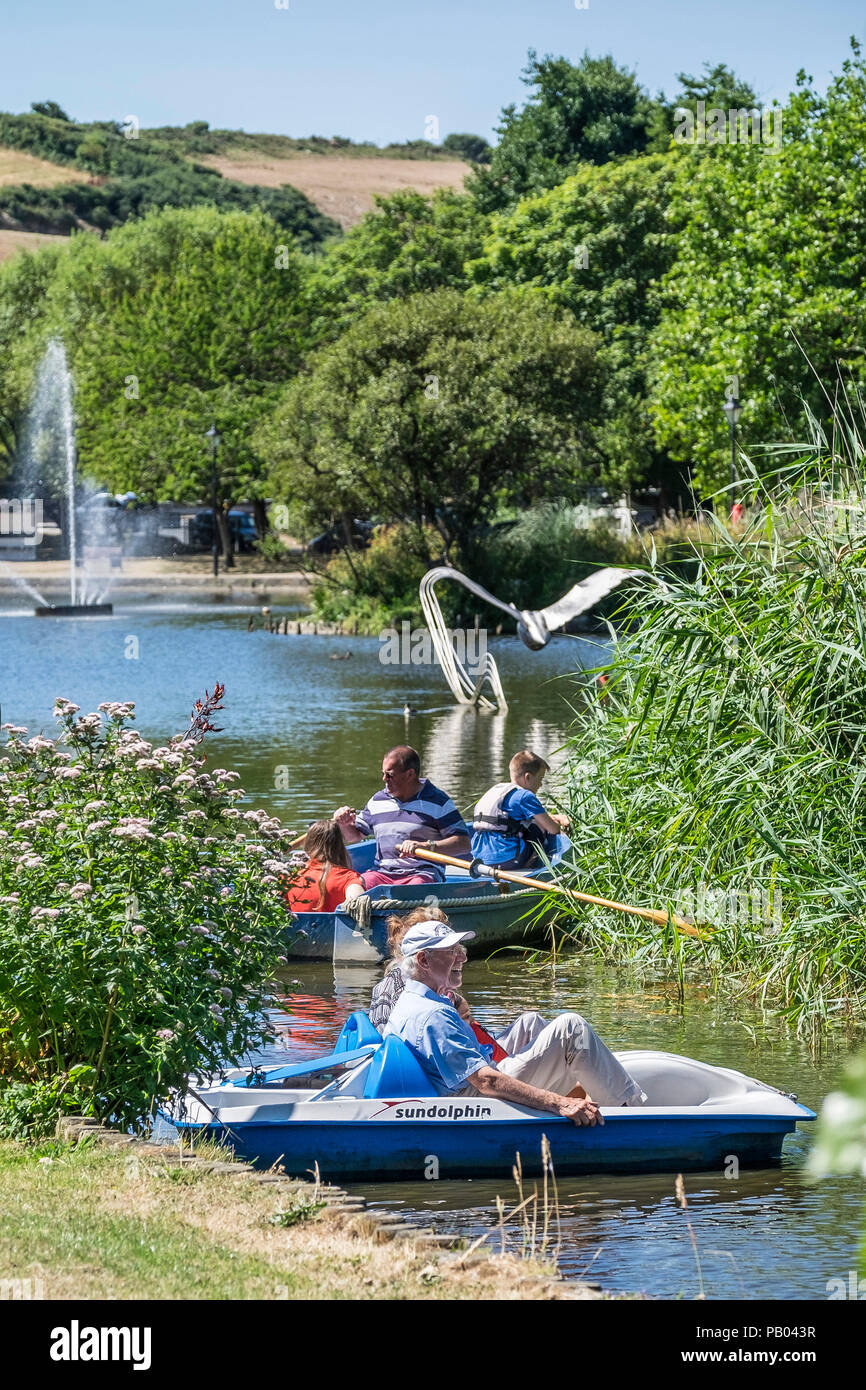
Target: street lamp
[733,410]
[213,439]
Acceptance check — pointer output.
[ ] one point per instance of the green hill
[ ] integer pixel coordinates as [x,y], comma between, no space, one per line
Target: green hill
[128,173]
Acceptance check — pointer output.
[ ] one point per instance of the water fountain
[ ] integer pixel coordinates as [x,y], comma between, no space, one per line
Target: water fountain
[49,455]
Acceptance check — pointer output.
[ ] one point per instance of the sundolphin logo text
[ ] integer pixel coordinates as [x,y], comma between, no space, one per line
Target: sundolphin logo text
[76,1343]
[443,1112]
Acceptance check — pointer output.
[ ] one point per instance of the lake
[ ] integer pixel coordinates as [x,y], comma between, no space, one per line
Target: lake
[307,732]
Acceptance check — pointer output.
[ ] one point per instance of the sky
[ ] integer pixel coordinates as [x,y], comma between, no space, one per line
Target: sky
[378,69]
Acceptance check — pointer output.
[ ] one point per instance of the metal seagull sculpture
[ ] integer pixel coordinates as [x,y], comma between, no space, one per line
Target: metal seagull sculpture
[535,627]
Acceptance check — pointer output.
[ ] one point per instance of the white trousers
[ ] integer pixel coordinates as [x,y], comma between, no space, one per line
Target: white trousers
[521,1033]
[560,1055]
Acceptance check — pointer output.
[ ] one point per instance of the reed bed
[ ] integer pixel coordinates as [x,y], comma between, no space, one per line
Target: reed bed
[721,770]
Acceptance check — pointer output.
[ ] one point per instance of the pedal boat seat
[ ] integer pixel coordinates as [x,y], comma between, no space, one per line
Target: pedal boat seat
[395,1073]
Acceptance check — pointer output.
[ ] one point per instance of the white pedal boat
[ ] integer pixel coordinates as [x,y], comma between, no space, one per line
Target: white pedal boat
[379,1119]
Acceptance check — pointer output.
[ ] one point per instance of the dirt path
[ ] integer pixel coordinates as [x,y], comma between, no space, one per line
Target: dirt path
[145,578]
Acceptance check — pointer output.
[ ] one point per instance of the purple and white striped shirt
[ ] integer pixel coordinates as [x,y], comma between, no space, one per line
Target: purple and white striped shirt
[391,821]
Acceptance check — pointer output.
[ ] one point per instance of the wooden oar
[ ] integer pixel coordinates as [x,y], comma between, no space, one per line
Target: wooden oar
[491,871]
[298,840]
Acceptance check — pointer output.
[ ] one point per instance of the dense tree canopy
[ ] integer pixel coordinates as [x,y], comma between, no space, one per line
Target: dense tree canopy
[718,86]
[597,245]
[409,244]
[768,281]
[435,409]
[181,319]
[580,113]
[24,285]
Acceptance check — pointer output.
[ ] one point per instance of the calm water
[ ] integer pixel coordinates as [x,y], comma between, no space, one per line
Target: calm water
[307,732]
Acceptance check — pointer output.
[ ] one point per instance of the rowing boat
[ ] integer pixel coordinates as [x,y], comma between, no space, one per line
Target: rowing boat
[498,913]
[374,1115]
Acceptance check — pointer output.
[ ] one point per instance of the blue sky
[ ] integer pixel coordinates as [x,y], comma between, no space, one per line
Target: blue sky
[378,68]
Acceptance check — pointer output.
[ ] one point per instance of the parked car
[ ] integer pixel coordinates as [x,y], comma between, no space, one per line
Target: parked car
[242,528]
[335,538]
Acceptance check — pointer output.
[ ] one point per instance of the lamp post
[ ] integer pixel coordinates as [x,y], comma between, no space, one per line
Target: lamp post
[733,410]
[213,439]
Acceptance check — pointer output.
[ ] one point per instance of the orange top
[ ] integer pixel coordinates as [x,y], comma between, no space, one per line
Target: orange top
[303,894]
[499,1053]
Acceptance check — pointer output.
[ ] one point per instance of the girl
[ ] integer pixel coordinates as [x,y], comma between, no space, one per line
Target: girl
[327,879]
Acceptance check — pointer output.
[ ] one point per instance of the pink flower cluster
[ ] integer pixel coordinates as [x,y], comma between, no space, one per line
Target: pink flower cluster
[133,828]
[117,710]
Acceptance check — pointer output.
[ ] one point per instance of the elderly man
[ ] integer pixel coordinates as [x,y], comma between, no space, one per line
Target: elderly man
[409,811]
[566,1070]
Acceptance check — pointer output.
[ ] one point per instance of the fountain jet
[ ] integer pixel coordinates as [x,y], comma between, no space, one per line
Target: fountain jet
[50,436]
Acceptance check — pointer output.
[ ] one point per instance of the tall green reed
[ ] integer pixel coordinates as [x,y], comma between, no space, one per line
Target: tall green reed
[723,772]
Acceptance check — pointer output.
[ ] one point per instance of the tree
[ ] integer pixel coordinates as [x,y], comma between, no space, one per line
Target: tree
[410,243]
[24,285]
[472,147]
[181,319]
[94,152]
[435,409]
[597,245]
[718,86]
[768,282]
[589,112]
[49,108]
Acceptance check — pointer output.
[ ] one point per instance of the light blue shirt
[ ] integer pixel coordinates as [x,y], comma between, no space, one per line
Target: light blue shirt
[432,1029]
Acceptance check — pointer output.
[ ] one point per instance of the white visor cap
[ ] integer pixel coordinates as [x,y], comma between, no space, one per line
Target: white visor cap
[431,936]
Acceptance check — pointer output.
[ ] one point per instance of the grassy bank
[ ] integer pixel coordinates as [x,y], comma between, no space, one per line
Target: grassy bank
[723,771]
[92,1222]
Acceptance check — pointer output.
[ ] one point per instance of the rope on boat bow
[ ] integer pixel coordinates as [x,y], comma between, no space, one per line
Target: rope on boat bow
[361,909]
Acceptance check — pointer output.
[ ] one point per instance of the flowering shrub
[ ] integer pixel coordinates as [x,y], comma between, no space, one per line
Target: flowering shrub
[140,918]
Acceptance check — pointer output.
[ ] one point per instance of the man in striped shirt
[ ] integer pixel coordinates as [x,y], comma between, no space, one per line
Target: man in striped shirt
[409,811]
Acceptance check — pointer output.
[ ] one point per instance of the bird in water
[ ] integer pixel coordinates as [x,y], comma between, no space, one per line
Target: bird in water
[408,710]
[340,656]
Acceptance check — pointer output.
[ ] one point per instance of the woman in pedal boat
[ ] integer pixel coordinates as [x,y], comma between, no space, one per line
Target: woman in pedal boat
[327,879]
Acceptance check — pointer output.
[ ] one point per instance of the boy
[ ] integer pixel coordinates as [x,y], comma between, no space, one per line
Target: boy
[510,823]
